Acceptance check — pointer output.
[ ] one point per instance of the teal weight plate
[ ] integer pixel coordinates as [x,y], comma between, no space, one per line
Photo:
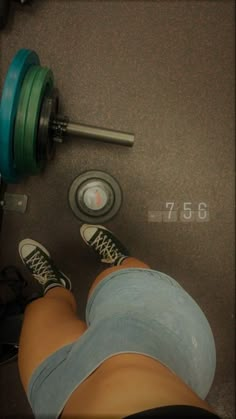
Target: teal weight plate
[22,61]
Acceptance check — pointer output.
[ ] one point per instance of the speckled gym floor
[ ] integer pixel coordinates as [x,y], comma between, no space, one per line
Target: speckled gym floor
[165,71]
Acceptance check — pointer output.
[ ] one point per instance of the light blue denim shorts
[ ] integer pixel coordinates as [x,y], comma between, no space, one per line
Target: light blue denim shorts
[131,311]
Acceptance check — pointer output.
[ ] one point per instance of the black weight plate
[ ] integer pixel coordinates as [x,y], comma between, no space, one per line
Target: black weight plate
[112,206]
[49,109]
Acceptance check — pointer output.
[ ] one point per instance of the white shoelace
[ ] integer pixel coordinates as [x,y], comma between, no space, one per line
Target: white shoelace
[44,271]
[107,250]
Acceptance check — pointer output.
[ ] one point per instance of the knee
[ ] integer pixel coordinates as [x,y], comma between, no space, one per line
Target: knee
[62,295]
[37,309]
[127,263]
[50,303]
[134,263]
[35,305]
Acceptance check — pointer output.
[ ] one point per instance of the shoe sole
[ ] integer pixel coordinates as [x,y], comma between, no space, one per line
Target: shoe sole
[33,243]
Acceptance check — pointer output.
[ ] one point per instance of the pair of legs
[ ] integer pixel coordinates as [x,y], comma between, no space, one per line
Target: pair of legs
[51,322]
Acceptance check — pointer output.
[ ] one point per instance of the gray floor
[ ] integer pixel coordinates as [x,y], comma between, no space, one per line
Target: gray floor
[165,71]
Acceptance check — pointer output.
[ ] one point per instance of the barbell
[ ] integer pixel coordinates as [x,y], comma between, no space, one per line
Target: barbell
[30,123]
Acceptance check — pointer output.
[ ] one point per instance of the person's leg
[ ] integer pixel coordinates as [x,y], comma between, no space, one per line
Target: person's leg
[182,317]
[49,322]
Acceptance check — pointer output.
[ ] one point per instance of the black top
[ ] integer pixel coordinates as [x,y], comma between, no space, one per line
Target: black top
[172,412]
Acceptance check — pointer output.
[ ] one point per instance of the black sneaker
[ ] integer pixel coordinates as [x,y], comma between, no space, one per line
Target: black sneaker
[104,243]
[37,259]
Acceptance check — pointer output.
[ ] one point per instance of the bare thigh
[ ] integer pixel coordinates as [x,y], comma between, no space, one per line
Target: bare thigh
[49,323]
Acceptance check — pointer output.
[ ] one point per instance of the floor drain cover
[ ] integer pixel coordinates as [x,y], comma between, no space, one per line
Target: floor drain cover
[95,197]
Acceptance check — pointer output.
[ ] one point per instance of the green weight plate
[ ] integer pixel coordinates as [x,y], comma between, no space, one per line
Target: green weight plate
[19,130]
[42,82]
